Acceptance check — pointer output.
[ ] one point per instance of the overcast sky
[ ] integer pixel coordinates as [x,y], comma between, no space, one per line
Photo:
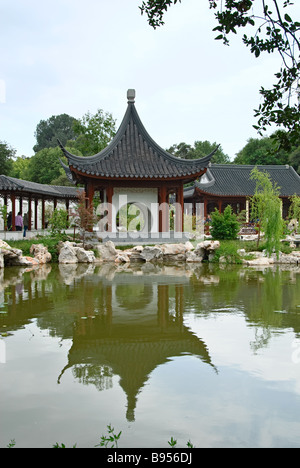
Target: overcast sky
[71,56]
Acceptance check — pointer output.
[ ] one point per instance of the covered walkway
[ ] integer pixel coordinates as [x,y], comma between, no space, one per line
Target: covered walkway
[14,192]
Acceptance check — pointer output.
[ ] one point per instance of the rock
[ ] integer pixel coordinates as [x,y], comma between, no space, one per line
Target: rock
[173,249]
[122,258]
[193,257]
[285,258]
[1,260]
[67,254]
[70,252]
[259,261]
[208,245]
[189,246]
[107,251]
[41,253]
[85,256]
[4,245]
[151,253]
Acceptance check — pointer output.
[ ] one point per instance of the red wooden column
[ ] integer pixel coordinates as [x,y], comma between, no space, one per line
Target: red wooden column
[90,190]
[220,205]
[109,195]
[179,209]
[29,214]
[163,222]
[36,202]
[13,211]
[21,205]
[205,207]
[43,213]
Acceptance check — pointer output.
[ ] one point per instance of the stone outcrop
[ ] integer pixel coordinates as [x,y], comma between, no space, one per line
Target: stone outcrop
[70,252]
[13,257]
[261,259]
[40,253]
[75,253]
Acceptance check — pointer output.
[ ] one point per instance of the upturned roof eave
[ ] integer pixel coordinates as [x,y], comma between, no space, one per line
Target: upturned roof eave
[131,111]
[190,177]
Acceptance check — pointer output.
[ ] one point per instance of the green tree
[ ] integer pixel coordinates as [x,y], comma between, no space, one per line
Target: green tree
[59,221]
[199,150]
[20,168]
[45,168]
[261,151]
[266,207]
[294,211]
[224,225]
[57,127]
[274,31]
[94,132]
[7,154]
[294,159]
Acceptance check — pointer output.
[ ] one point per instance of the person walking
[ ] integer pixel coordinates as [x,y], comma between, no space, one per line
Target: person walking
[19,222]
[25,224]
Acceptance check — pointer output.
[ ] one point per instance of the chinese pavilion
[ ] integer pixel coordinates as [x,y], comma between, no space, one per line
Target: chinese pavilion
[133,168]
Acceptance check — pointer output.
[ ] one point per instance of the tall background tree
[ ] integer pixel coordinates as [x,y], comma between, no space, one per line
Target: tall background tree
[273,30]
[199,150]
[94,132]
[49,131]
[6,158]
[45,168]
[261,151]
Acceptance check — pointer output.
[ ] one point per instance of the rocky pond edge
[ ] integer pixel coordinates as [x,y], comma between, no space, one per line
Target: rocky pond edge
[73,253]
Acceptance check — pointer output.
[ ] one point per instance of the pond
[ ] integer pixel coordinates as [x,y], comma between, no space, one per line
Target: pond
[199,353]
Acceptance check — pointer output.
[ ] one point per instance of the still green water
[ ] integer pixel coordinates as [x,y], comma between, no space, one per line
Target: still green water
[197,353]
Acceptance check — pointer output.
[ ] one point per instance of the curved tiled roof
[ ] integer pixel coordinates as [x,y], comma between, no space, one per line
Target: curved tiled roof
[11,184]
[133,154]
[235,180]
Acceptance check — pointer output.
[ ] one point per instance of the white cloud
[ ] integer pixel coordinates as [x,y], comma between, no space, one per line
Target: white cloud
[69,56]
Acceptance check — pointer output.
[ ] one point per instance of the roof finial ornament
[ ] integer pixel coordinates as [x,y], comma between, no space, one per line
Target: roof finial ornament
[131,95]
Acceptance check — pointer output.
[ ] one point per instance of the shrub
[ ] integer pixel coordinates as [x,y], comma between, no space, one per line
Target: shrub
[224,225]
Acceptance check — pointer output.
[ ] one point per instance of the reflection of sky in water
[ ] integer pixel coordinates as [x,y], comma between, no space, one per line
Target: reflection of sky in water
[198,354]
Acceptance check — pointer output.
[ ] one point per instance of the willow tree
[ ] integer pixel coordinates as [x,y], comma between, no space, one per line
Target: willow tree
[266,207]
[294,210]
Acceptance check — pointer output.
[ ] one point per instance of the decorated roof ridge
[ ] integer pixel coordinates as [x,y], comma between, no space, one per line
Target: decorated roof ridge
[131,112]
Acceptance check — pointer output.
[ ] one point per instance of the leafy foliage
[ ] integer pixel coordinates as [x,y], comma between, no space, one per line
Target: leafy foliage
[45,168]
[199,150]
[6,157]
[261,151]
[59,221]
[110,438]
[266,208]
[94,132]
[224,225]
[57,127]
[294,211]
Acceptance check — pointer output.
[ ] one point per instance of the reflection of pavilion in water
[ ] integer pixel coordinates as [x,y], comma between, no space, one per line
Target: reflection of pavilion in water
[141,328]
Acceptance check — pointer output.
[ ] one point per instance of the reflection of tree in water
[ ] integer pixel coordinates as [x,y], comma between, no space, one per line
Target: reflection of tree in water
[99,375]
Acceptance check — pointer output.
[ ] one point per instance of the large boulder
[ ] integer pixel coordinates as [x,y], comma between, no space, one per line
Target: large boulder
[150,254]
[67,253]
[70,252]
[40,253]
[107,252]
[12,257]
